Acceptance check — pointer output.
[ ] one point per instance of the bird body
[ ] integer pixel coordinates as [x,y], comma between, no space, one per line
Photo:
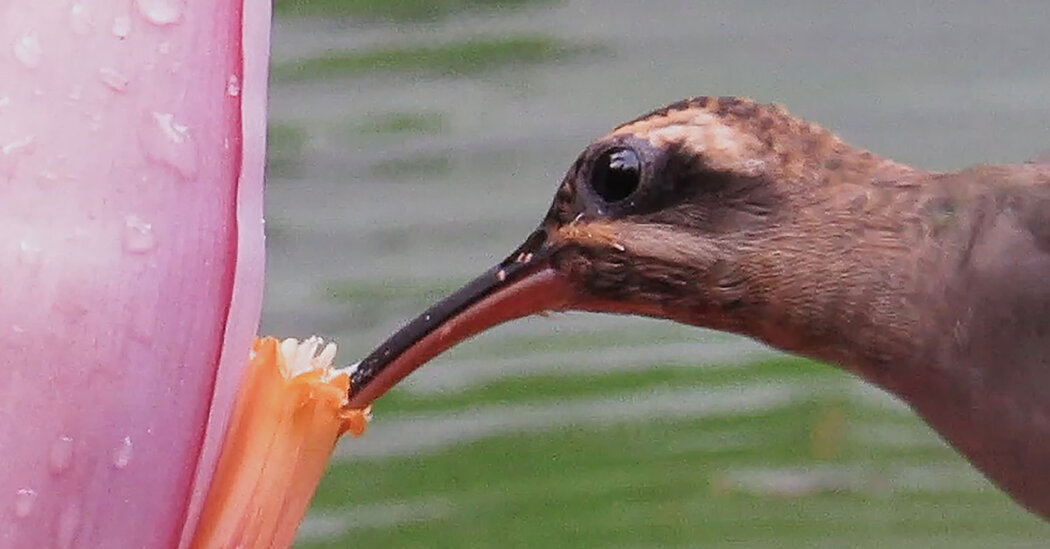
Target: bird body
[728,214]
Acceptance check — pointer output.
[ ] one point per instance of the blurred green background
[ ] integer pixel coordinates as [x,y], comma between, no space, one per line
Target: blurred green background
[413,143]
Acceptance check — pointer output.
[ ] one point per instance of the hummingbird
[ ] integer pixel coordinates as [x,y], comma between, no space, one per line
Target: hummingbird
[725,213]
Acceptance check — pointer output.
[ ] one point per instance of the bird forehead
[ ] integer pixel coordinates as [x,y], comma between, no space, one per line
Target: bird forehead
[701,134]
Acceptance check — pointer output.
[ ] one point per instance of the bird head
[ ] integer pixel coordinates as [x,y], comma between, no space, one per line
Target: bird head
[688,213]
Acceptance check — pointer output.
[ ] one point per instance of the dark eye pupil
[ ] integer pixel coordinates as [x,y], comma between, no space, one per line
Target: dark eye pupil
[616,174]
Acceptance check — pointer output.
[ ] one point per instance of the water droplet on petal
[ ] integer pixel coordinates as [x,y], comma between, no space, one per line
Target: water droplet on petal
[138,235]
[96,122]
[5,101]
[122,453]
[233,86]
[115,80]
[121,26]
[29,257]
[79,19]
[29,253]
[168,142]
[28,50]
[75,93]
[68,523]
[160,12]
[24,500]
[61,455]
[11,154]
[47,176]
[20,146]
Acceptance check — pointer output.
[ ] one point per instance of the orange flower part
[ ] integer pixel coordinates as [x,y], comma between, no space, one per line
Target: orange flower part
[289,414]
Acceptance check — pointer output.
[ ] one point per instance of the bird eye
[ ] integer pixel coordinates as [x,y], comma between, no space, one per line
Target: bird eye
[616,174]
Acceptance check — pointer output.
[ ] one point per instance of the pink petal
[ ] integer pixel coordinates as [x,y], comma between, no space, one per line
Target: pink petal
[246,305]
[131,147]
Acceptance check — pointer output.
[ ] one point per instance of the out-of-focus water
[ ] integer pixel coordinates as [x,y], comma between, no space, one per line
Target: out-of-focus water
[390,187]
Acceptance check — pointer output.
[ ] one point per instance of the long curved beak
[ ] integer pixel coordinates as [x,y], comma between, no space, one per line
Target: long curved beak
[521,285]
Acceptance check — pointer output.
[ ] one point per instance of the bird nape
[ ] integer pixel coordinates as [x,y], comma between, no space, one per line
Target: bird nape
[733,215]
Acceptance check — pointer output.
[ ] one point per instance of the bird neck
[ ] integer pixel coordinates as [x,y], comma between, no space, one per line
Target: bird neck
[838,281]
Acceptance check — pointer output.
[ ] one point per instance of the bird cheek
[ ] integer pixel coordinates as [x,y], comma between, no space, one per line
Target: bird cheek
[574,263]
[607,282]
[727,284]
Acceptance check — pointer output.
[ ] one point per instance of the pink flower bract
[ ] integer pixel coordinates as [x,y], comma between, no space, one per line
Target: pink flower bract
[132,137]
